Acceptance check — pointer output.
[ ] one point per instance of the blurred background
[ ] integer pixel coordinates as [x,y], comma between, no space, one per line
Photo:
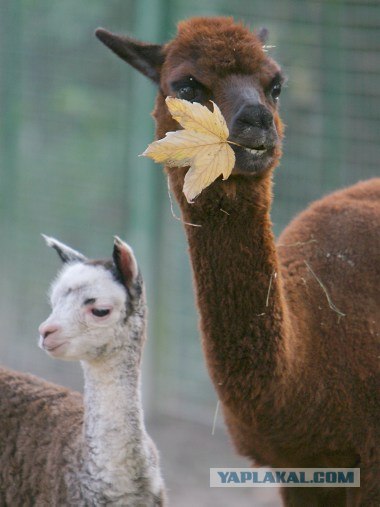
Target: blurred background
[73,120]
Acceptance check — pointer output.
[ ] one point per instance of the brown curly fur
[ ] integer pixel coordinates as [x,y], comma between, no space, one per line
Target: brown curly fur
[33,412]
[222,47]
[298,380]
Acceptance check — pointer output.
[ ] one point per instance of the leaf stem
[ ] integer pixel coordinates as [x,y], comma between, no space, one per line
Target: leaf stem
[236,144]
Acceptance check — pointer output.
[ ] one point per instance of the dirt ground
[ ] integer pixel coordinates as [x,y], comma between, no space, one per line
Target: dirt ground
[188,450]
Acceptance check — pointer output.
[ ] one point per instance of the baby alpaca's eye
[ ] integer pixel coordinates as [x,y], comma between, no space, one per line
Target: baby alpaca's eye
[99,312]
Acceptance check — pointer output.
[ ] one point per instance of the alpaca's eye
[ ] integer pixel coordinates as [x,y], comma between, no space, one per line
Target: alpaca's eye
[189,89]
[275,92]
[186,93]
[100,312]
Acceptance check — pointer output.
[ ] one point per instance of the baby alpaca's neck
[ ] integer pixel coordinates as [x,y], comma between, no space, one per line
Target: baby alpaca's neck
[117,448]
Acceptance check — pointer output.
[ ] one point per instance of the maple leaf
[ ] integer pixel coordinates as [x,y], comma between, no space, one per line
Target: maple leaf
[203,145]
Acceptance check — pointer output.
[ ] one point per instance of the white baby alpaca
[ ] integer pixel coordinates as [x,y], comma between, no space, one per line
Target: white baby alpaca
[58,449]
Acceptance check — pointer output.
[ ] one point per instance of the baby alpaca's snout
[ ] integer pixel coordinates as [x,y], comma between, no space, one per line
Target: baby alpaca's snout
[49,335]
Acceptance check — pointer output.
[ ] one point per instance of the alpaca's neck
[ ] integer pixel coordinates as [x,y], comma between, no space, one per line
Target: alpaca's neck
[239,289]
[117,448]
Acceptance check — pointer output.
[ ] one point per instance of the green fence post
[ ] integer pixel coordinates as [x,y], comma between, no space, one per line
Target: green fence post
[143,178]
[10,84]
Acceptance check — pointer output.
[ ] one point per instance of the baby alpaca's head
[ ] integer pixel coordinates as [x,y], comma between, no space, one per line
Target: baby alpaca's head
[98,307]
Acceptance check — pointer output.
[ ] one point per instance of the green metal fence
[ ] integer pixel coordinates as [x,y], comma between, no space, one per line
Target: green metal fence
[73,120]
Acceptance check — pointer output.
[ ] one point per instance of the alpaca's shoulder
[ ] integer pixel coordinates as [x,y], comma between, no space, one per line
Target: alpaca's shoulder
[40,427]
[339,236]
[33,407]
[22,392]
[368,190]
[347,213]
[360,193]
[17,382]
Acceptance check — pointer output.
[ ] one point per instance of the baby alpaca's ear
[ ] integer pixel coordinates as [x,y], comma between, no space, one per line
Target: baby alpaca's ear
[66,253]
[146,58]
[125,262]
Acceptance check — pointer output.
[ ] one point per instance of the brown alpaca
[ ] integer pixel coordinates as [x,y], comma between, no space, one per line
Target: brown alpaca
[290,334]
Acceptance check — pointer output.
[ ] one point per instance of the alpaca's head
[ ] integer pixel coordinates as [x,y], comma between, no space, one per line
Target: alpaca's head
[97,306]
[223,61]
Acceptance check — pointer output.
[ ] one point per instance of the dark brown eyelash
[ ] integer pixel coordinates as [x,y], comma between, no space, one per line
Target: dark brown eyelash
[200,93]
[279,79]
[187,81]
[90,301]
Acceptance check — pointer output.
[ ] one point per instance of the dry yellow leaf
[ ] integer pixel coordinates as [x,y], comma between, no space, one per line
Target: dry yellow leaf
[202,145]
[179,148]
[219,160]
[194,116]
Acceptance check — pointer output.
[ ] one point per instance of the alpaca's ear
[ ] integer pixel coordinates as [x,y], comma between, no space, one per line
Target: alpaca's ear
[66,253]
[263,34]
[146,58]
[125,262]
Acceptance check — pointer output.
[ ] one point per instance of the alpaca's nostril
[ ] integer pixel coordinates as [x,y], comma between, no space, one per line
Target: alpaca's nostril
[257,116]
[46,331]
